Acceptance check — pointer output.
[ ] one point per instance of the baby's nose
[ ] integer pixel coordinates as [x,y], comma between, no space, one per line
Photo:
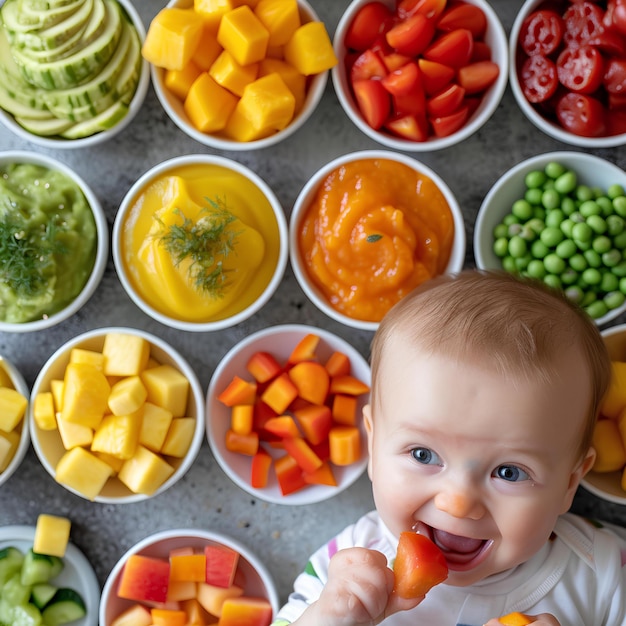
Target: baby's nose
[459,504]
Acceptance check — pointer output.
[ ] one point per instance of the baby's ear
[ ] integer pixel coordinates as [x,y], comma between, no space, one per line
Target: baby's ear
[578,473]
[369,429]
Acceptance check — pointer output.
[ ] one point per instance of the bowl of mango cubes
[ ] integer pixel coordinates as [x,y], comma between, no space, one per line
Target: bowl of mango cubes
[117,415]
[14,434]
[242,77]
[188,576]
[607,478]
[284,414]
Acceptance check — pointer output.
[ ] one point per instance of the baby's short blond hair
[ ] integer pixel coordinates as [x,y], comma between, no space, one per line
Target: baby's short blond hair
[517,326]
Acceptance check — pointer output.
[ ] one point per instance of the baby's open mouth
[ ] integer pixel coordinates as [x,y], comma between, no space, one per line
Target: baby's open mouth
[462,553]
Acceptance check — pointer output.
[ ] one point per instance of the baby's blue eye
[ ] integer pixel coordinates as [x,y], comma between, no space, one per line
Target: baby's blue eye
[425,456]
[511,473]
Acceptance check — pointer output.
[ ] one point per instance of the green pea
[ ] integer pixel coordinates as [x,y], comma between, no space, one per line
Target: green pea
[578,263]
[536,269]
[527,233]
[569,276]
[568,206]
[614,191]
[535,179]
[614,225]
[589,207]
[622,285]
[510,219]
[614,299]
[577,218]
[521,263]
[584,192]
[533,196]
[539,249]
[508,264]
[566,182]
[588,298]
[554,263]
[550,199]
[598,192]
[582,245]
[536,225]
[551,236]
[597,223]
[612,258]
[566,249]
[609,282]
[501,247]
[593,258]
[597,309]
[575,294]
[514,229]
[552,280]
[554,217]
[517,247]
[540,212]
[619,241]
[606,206]
[619,205]
[601,244]
[592,276]
[554,169]
[522,210]
[620,269]
[567,227]
[582,232]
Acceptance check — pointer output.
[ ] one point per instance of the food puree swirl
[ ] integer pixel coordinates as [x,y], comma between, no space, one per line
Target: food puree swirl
[375,230]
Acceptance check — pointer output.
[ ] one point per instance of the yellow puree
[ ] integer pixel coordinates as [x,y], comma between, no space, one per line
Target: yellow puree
[167,286]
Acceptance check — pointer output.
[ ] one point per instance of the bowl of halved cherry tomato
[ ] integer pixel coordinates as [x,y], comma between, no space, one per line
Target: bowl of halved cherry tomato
[420,75]
[568,69]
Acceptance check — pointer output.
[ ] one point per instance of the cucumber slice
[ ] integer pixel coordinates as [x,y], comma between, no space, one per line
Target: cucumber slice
[41,594]
[14,592]
[11,560]
[39,568]
[26,615]
[65,606]
[37,20]
[49,127]
[103,121]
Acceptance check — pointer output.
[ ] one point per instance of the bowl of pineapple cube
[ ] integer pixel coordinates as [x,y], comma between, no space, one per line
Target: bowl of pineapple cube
[14,434]
[116,415]
[242,77]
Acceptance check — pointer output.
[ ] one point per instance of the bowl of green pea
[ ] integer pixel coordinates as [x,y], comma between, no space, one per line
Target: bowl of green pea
[560,217]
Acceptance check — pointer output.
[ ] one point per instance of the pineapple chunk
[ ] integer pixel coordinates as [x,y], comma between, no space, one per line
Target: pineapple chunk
[118,435]
[310,49]
[127,396]
[56,387]
[43,411]
[113,461]
[280,17]
[85,394]
[156,422]
[145,472]
[179,437]
[91,357]
[52,535]
[73,435]
[82,471]
[125,354]
[8,445]
[12,408]
[168,388]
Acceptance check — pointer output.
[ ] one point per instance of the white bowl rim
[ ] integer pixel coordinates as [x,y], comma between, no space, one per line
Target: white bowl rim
[314,95]
[314,493]
[192,533]
[475,122]
[534,162]
[547,127]
[457,256]
[135,105]
[102,236]
[22,447]
[281,223]
[181,364]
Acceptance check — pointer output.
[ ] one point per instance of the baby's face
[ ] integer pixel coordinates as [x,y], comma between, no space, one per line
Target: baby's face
[482,463]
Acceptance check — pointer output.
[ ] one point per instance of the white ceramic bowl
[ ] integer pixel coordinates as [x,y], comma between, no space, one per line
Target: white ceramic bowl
[174,106]
[258,580]
[306,197]
[591,170]
[102,232]
[19,384]
[48,445]
[550,128]
[60,143]
[274,220]
[608,485]
[77,573]
[280,342]
[495,37]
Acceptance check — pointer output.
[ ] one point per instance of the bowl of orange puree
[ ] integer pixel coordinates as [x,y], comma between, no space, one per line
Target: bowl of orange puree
[367,229]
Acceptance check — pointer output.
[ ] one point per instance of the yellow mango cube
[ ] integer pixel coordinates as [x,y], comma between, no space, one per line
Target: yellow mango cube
[610,451]
[8,445]
[172,38]
[179,81]
[115,462]
[290,75]
[268,103]
[127,395]
[240,128]
[212,597]
[227,73]
[212,11]
[73,435]
[145,472]
[12,408]
[208,105]
[280,17]
[56,387]
[243,35]
[154,426]
[310,49]
[179,437]
[118,435]
[43,411]
[52,534]
[168,388]
[615,398]
[208,49]
[134,615]
[5,379]
[85,394]
[125,354]
[80,470]
[80,355]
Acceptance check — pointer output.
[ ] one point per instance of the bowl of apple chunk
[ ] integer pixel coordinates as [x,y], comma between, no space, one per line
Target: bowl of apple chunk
[117,415]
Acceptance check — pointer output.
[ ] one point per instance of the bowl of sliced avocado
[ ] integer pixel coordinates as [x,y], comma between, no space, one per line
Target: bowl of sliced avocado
[71,74]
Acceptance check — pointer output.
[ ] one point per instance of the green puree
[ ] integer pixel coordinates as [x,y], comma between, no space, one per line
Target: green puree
[47,242]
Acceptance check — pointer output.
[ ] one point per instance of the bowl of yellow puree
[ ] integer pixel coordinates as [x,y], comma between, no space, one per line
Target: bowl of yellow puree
[54,241]
[200,243]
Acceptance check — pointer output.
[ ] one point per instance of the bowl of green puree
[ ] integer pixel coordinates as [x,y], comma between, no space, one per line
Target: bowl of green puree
[54,241]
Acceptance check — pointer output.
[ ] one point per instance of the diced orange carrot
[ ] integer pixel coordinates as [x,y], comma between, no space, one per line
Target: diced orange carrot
[349,385]
[338,364]
[289,475]
[323,475]
[344,409]
[282,426]
[243,444]
[311,380]
[242,418]
[259,474]
[168,617]
[190,567]
[238,391]
[263,366]
[304,350]
[345,444]
[280,393]
[300,450]
[315,421]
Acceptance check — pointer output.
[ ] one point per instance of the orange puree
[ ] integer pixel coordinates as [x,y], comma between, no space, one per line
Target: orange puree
[167,285]
[375,230]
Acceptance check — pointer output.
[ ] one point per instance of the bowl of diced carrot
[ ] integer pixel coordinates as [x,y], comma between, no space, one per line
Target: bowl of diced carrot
[284,414]
[188,576]
[607,478]
[117,415]
[239,78]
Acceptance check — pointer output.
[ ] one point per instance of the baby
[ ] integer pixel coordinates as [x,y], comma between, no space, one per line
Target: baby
[485,390]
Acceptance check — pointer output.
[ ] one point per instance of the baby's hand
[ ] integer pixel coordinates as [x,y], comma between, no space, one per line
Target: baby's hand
[544,619]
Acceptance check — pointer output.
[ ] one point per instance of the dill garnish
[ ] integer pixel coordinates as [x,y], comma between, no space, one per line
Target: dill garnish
[374,238]
[205,242]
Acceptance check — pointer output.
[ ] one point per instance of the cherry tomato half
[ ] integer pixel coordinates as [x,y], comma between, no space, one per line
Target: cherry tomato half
[372,20]
[581,114]
[582,20]
[541,32]
[580,69]
[614,80]
[538,78]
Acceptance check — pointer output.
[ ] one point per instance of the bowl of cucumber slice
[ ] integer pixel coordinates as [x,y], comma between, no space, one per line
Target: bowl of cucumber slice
[71,75]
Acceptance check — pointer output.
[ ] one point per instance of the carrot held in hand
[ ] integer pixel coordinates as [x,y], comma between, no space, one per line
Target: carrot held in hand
[515,619]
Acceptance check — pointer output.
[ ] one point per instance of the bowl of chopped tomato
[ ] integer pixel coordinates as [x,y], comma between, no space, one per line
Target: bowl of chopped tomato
[284,414]
[568,69]
[420,75]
